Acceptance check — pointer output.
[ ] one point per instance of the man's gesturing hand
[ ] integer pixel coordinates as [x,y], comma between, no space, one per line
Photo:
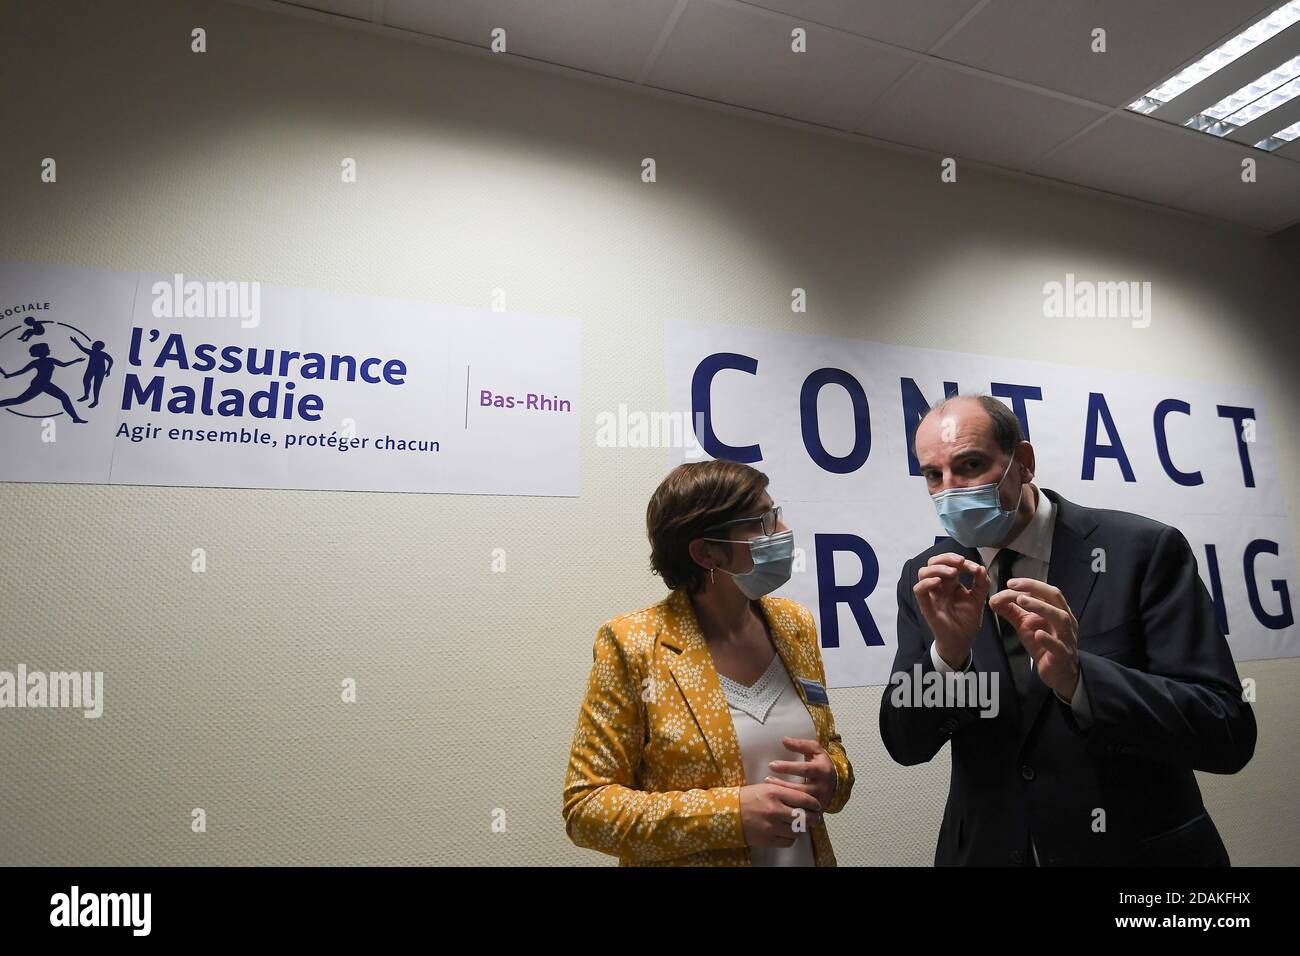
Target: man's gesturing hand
[952,610]
[1046,627]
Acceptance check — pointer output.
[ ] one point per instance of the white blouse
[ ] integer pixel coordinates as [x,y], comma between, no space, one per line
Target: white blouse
[762,714]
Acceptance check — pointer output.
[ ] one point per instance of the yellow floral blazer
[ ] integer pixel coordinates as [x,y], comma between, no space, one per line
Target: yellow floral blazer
[655,771]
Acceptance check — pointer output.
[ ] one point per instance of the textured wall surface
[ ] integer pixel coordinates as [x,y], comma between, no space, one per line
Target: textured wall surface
[222,689]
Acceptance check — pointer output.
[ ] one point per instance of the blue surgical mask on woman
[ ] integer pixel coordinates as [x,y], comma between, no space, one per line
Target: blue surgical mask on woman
[974,516]
[773,556]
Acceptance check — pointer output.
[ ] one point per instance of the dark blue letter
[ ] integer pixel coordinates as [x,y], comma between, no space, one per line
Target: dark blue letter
[812,440]
[1018,394]
[702,406]
[830,595]
[1091,450]
[1238,415]
[1188,478]
[1275,622]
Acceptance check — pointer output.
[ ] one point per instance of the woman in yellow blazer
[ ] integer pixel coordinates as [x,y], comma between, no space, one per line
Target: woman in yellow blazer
[705,737]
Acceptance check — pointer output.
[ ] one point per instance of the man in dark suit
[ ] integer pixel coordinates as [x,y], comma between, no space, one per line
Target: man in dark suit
[1114,681]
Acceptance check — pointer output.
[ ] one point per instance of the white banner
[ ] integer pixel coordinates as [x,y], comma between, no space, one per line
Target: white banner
[828,421]
[132,378]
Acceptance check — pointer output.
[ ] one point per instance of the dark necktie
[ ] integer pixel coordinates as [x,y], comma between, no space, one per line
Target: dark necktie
[1017,656]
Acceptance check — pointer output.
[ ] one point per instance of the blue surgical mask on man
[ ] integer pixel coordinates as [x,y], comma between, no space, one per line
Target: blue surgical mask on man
[974,516]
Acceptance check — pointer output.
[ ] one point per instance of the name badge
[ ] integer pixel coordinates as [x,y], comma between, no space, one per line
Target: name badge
[814,692]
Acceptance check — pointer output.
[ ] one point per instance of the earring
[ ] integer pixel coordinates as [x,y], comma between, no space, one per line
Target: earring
[711,576]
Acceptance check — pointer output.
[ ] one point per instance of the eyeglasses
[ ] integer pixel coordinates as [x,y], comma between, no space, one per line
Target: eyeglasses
[768,519]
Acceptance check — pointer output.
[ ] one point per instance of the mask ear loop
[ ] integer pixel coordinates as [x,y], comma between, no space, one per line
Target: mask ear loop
[1008,471]
[722,541]
[1004,478]
[714,568]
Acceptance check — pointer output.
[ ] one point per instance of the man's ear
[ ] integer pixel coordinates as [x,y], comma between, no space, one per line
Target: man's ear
[1025,455]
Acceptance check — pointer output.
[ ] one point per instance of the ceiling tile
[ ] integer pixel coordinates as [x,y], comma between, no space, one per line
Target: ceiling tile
[1135,156]
[738,52]
[1048,42]
[967,116]
[356,9]
[740,55]
[1271,202]
[611,37]
[916,25]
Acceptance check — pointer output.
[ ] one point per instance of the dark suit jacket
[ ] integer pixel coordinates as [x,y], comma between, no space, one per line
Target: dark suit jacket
[1165,699]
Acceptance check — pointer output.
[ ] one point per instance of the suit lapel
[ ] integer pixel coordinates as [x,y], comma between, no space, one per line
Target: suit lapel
[1070,570]
[692,668]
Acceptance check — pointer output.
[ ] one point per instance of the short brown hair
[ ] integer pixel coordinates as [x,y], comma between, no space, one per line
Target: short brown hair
[693,498]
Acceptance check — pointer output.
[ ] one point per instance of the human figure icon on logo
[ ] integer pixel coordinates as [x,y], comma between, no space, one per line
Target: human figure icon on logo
[98,364]
[34,327]
[43,383]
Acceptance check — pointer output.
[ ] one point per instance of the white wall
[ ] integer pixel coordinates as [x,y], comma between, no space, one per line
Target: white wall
[222,689]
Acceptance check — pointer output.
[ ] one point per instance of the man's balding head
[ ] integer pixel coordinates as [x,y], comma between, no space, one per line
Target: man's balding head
[1004,426]
[967,440]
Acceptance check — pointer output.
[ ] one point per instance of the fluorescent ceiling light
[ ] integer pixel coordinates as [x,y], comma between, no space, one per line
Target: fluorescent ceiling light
[1218,58]
[1252,101]
[1280,138]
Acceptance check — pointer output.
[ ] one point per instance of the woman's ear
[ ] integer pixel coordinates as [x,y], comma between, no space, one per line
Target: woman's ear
[699,552]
